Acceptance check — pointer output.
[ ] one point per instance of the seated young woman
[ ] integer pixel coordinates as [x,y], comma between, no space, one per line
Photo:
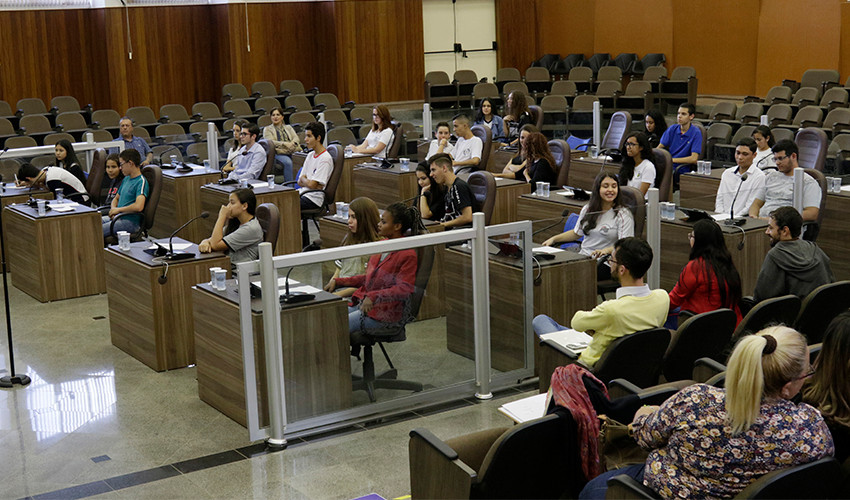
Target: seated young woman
[66,158]
[390,279]
[828,389]
[602,222]
[432,195]
[380,138]
[111,183]
[654,127]
[764,142]
[541,163]
[486,116]
[517,114]
[709,280]
[363,218]
[709,442]
[237,232]
[517,164]
[638,169]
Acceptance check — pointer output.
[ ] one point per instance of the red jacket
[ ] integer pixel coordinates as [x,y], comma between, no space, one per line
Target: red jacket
[388,284]
[694,293]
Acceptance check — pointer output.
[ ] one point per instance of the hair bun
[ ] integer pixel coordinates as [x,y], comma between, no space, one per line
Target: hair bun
[769,345]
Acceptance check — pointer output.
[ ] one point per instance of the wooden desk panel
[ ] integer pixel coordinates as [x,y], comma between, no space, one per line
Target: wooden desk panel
[583,171]
[288,203]
[547,211]
[55,257]
[316,356]
[567,285]
[834,233]
[699,191]
[385,186]
[151,321]
[179,201]
[344,190]
[675,249]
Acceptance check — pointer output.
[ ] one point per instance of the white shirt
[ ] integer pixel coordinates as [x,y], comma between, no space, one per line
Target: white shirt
[384,137]
[435,145]
[778,191]
[729,182]
[319,169]
[762,164]
[644,172]
[467,149]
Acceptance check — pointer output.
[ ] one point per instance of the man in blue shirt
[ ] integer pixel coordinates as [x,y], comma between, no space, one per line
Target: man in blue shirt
[684,142]
[131,195]
[133,142]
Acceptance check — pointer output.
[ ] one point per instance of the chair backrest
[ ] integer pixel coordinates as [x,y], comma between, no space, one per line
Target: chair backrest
[234,91]
[836,96]
[207,110]
[618,129]
[424,265]
[51,139]
[778,114]
[781,310]
[563,87]
[35,123]
[106,117]
[806,96]
[638,88]
[299,102]
[159,152]
[537,74]
[780,94]
[581,74]
[486,136]
[681,73]
[153,175]
[398,138]
[633,198]
[20,141]
[329,100]
[483,187]
[302,117]
[818,176]
[818,479]
[199,150]
[557,103]
[609,73]
[546,447]
[561,153]
[819,308]
[200,128]
[343,135]
[336,116]
[102,136]
[584,102]
[465,76]
[700,336]
[292,87]
[837,116]
[608,88]
[9,169]
[96,172]
[818,77]
[743,131]
[507,75]
[635,357]
[174,112]
[269,218]
[338,154]
[269,158]
[654,73]
[43,161]
[482,90]
[169,129]
[750,112]
[6,127]
[812,144]
[239,107]
[266,103]
[65,103]
[536,115]
[71,120]
[141,115]
[720,132]
[781,134]
[663,174]
[437,78]
[723,110]
[265,89]
[515,86]
[812,114]
[5,109]
[31,106]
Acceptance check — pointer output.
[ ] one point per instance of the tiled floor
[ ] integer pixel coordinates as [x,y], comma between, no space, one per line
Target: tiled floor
[98,421]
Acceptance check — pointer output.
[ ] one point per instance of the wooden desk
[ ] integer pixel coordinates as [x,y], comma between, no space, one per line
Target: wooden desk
[344,190]
[675,249]
[583,171]
[315,350]
[384,186]
[334,229]
[179,201]
[568,284]
[699,191]
[834,232]
[547,211]
[151,321]
[498,159]
[288,202]
[55,256]
[9,194]
[507,192]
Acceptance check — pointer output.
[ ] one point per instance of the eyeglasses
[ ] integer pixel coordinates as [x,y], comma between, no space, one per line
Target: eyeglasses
[121,164]
[779,158]
[631,144]
[807,375]
[244,133]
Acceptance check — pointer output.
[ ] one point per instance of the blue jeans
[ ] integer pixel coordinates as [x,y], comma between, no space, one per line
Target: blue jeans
[544,324]
[596,487]
[286,161]
[122,224]
[354,327]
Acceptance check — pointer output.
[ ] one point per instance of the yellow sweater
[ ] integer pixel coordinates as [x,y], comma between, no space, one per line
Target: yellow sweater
[613,319]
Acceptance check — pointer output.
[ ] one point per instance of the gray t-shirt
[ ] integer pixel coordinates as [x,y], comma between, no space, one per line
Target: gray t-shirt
[242,243]
[610,227]
[778,191]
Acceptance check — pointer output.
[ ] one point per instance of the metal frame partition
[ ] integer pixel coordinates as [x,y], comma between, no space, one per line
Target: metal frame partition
[86,147]
[484,380]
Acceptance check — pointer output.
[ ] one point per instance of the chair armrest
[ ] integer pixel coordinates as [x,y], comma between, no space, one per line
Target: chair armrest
[807,123]
[197,117]
[559,348]
[752,98]
[256,95]
[838,127]
[705,368]
[620,387]
[290,183]
[124,214]
[747,303]
[320,107]
[88,108]
[314,90]
[95,125]
[435,469]
[357,121]
[285,93]
[329,125]
[226,97]
[260,111]
[196,136]
[438,444]
[19,113]
[289,109]
[625,487]
[805,102]
[349,104]
[193,159]
[59,128]
[228,114]
[22,131]
[54,111]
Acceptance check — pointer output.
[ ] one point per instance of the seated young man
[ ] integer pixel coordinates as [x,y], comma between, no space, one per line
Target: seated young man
[131,195]
[683,141]
[441,143]
[53,178]
[636,307]
[778,188]
[317,168]
[467,150]
[458,194]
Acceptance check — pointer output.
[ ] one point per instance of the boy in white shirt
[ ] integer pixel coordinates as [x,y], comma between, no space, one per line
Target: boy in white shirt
[467,150]
[441,144]
[317,168]
[733,179]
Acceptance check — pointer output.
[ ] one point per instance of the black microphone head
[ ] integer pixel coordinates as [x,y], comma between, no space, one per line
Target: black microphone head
[744,176]
[205,214]
[565,213]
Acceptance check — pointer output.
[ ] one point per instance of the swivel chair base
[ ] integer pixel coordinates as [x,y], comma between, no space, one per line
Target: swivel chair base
[386,380]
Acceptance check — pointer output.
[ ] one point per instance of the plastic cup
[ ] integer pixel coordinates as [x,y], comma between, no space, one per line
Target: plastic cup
[42,206]
[212,275]
[405,164]
[220,276]
[344,213]
[60,194]
[124,240]
[207,167]
[173,160]
[243,183]
[542,189]
[270,180]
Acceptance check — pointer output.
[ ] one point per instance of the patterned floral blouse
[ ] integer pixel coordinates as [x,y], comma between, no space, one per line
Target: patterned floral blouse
[696,456]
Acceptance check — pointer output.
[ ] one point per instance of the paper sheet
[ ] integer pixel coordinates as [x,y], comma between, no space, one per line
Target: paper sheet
[281,283]
[523,410]
[566,192]
[177,246]
[258,184]
[62,208]
[571,340]
[720,217]
[551,250]
[846,187]
[500,179]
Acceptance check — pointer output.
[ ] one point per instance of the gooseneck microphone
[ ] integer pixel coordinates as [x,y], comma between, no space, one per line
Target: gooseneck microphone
[169,148]
[564,215]
[293,297]
[182,255]
[732,221]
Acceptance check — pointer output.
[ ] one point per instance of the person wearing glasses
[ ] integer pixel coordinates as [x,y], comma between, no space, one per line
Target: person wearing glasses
[131,196]
[379,139]
[734,186]
[778,190]
[253,157]
[712,442]
[636,307]
[639,175]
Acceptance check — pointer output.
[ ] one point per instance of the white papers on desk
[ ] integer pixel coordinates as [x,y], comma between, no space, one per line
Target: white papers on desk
[565,192]
[525,409]
[258,184]
[12,186]
[304,289]
[720,217]
[573,341]
[501,179]
[544,249]
[178,247]
[62,207]
[845,188]
[294,286]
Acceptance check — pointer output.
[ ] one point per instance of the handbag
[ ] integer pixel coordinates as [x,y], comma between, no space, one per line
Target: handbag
[617,446]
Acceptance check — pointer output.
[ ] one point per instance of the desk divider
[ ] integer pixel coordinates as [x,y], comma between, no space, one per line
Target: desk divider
[268,268]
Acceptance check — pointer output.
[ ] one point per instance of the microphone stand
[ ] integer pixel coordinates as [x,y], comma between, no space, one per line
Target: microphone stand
[732,221]
[294,297]
[564,215]
[12,379]
[182,255]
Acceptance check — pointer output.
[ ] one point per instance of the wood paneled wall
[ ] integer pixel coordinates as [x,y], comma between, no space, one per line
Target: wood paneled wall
[363,50]
[738,47]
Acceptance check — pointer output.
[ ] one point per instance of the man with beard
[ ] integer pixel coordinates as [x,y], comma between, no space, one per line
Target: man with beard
[636,307]
[792,266]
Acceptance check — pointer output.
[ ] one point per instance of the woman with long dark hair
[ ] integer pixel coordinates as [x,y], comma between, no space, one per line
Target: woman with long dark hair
[66,158]
[517,114]
[764,142]
[486,116]
[638,170]
[432,195]
[236,232]
[380,138]
[601,222]
[516,166]
[539,158]
[709,280]
[654,126]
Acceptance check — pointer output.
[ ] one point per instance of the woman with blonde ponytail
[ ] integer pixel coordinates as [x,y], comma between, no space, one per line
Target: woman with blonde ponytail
[711,443]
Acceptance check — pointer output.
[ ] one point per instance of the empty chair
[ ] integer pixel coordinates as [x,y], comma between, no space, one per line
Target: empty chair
[94,181]
[836,97]
[580,116]
[597,61]
[609,73]
[343,136]
[466,80]
[234,91]
[582,77]
[263,89]
[554,108]
[361,115]
[264,105]
[681,87]
[440,92]
[565,88]
[6,130]
[106,119]
[836,120]
[483,187]
[143,116]
[655,73]
[700,336]
[175,113]
[31,106]
[782,133]
[636,99]
[750,112]
[295,103]
[561,154]
[67,104]
[607,93]
[813,144]
[652,60]
[806,96]
[538,80]
[240,109]
[778,95]
[20,141]
[170,132]
[201,128]
[52,139]
[301,118]
[208,112]
[36,126]
[102,136]
[197,152]
[821,79]
[330,101]
[72,123]
[295,87]
[618,129]
[779,114]
[505,75]
[717,133]
[723,110]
